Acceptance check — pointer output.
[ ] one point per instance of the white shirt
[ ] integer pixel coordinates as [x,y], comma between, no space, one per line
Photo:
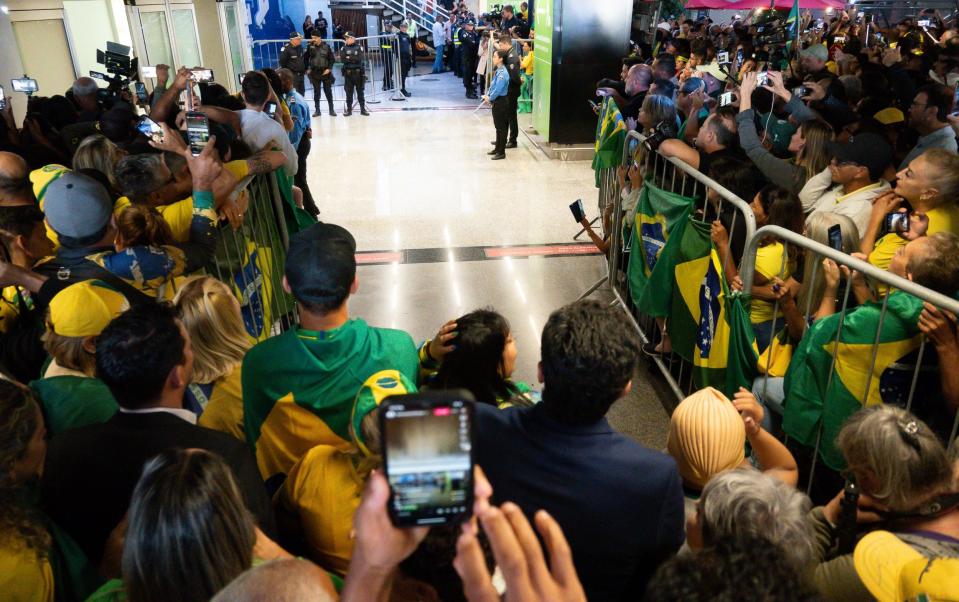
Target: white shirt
[819,196]
[178,412]
[259,131]
[439,34]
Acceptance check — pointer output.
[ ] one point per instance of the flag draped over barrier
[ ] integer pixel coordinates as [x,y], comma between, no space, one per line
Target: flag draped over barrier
[659,222]
[808,401]
[610,138]
[708,326]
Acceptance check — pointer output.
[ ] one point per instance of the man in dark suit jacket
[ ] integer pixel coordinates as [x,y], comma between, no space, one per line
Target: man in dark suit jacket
[144,357]
[619,503]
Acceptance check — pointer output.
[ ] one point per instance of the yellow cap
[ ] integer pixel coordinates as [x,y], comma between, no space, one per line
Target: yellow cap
[889,115]
[706,436]
[893,571]
[84,309]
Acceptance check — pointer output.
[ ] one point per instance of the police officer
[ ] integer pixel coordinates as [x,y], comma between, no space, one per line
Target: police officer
[386,49]
[457,58]
[469,44]
[405,47]
[321,73]
[505,43]
[354,70]
[293,57]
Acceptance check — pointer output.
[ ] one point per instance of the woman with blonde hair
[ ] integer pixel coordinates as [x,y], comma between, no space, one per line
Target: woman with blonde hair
[211,315]
[99,153]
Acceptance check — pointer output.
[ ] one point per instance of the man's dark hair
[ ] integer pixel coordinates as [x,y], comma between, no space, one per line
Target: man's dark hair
[629,61]
[727,572]
[666,65]
[256,88]
[664,87]
[725,137]
[274,78]
[139,176]
[509,7]
[18,220]
[938,96]
[137,351]
[20,187]
[588,357]
[735,175]
[503,55]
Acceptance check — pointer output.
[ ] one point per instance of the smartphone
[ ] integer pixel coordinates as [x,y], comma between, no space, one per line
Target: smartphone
[24,84]
[428,457]
[725,98]
[897,222]
[835,237]
[197,131]
[762,78]
[800,91]
[593,105]
[149,128]
[141,92]
[148,71]
[3,99]
[576,207]
[739,57]
[839,40]
[98,75]
[270,109]
[722,58]
[924,23]
[202,75]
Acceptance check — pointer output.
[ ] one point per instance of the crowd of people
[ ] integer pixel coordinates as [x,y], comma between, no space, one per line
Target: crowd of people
[152,448]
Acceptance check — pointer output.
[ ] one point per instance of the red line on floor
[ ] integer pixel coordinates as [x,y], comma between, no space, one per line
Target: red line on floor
[584,249]
[378,257]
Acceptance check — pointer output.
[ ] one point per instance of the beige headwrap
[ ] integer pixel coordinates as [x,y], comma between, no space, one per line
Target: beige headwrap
[706,436]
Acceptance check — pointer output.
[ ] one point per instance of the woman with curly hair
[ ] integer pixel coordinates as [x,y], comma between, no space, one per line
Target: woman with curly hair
[25,543]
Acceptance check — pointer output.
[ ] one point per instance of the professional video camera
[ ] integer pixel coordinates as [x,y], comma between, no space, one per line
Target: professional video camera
[664,130]
[123,70]
[771,30]
[494,15]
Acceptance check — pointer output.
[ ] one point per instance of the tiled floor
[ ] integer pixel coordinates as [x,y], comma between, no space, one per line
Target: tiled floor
[413,181]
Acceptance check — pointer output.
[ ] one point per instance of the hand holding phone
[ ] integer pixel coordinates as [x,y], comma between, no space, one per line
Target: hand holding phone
[149,128]
[726,98]
[428,457]
[26,85]
[270,109]
[197,131]
[897,222]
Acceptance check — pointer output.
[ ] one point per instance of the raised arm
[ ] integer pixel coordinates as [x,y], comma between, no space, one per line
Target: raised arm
[773,457]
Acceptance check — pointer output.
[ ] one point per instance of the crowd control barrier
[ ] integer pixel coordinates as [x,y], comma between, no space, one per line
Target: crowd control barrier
[250,260]
[672,176]
[867,352]
[870,353]
[383,69]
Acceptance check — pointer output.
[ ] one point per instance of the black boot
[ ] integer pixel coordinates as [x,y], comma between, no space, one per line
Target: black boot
[332,112]
[363,111]
[316,112]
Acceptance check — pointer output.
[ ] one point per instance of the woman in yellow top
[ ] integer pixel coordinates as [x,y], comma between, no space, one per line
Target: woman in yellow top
[930,184]
[527,62]
[211,314]
[25,544]
[322,491]
[772,206]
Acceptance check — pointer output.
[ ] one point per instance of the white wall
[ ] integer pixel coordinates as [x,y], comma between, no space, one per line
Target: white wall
[89,24]
[10,66]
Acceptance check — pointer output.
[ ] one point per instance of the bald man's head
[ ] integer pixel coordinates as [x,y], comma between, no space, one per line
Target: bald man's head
[15,188]
[289,580]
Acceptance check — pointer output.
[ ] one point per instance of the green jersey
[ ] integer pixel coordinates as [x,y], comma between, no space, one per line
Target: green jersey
[299,388]
[72,401]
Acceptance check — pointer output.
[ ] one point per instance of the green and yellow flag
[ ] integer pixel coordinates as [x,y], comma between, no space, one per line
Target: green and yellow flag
[659,222]
[610,137]
[708,326]
[810,404]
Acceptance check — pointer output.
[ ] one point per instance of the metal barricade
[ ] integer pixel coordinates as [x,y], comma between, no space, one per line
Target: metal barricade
[250,260]
[383,67]
[491,36]
[878,277]
[665,171]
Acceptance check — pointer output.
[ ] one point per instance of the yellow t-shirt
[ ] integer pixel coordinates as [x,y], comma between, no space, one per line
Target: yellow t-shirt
[10,306]
[769,263]
[323,491]
[179,215]
[224,411]
[24,577]
[41,179]
[944,218]
[527,63]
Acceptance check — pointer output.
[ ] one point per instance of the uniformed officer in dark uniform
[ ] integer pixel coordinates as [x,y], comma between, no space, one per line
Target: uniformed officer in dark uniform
[354,69]
[321,60]
[515,81]
[293,57]
[405,47]
[469,43]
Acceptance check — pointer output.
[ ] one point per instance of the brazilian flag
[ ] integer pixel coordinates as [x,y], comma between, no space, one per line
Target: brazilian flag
[661,217]
[610,138]
[296,219]
[809,404]
[709,327]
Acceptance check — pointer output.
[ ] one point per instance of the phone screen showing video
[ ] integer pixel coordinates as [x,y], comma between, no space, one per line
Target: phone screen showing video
[427,441]
[835,237]
[149,128]
[141,92]
[197,131]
